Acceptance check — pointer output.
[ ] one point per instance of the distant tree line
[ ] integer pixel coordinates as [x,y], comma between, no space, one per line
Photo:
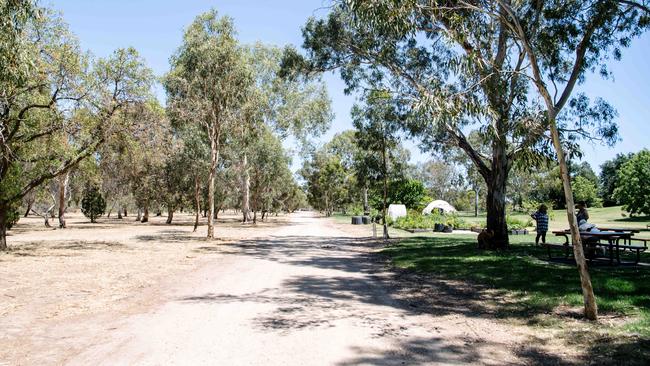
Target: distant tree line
[86,132]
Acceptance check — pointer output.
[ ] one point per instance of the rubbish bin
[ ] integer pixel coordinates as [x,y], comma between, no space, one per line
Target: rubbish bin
[366,220]
[356,220]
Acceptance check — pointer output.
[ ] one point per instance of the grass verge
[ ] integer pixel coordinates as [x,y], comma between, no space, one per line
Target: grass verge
[524,273]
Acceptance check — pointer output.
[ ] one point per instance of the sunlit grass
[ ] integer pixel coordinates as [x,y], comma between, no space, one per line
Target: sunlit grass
[538,285]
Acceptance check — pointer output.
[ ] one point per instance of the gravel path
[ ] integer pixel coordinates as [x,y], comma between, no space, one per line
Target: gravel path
[310,294]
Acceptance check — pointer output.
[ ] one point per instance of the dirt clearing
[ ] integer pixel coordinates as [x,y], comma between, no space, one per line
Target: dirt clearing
[298,290]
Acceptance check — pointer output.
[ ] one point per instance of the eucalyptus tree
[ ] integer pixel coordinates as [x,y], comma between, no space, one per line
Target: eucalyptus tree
[50,90]
[607,177]
[150,141]
[632,188]
[552,45]
[355,160]
[326,181]
[288,107]
[208,84]
[377,127]
[444,82]
[563,42]
[271,176]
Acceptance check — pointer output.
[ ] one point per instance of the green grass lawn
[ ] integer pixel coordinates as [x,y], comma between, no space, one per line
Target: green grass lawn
[523,273]
[604,217]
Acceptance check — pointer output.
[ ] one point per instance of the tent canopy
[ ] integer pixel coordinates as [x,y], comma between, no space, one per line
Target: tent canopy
[438,204]
[395,211]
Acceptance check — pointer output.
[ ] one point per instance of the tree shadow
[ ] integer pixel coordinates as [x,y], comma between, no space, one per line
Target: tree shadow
[169,236]
[90,245]
[428,351]
[535,355]
[619,350]
[633,219]
[444,276]
[43,249]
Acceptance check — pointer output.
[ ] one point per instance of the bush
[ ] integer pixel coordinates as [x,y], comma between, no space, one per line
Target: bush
[418,221]
[415,220]
[517,224]
[409,192]
[586,191]
[632,188]
[93,204]
[456,222]
[355,210]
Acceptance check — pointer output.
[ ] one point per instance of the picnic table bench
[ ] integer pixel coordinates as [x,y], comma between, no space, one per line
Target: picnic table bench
[609,240]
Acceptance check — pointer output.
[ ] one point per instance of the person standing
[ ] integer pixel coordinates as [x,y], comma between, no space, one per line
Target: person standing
[541,218]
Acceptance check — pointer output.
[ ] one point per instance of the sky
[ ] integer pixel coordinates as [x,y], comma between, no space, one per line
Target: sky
[155,28]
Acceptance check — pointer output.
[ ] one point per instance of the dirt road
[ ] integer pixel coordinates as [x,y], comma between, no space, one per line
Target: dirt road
[308,295]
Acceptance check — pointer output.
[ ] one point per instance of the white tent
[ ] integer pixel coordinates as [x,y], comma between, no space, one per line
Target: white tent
[439,204]
[396,211]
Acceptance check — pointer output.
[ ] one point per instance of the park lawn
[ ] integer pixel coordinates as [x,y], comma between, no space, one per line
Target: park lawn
[523,273]
[605,217]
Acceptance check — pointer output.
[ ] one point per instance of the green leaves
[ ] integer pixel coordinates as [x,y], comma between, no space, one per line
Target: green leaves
[93,204]
[210,78]
[59,106]
[633,188]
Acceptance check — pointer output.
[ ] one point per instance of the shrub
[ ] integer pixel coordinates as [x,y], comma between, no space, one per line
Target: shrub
[517,224]
[418,221]
[586,191]
[415,220]
[456,222]
[632,189]
[408,192]
[93,204]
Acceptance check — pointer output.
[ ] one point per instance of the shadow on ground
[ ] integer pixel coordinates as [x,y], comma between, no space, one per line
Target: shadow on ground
[450,279]
[61,249]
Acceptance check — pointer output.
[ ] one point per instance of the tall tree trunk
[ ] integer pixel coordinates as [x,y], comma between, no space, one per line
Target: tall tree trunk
[591,309]
[246,184]
[366,208]
[30,202]
[110,210]
[139,217]
[145,216]
[476,201]
[385,171]
[4,223]
[496,197]
[327,205]
[197,201]
[46,217]
[496,210]
[119,212]
[170,214]
[125,213]
[216,211]
[49,212]
[211,180]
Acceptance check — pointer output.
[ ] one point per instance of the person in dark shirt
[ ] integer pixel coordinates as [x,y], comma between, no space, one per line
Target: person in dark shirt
[541,217]
[582,212]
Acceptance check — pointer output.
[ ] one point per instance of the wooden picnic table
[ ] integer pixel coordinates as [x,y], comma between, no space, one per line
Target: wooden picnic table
[610,240]
[620,229]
